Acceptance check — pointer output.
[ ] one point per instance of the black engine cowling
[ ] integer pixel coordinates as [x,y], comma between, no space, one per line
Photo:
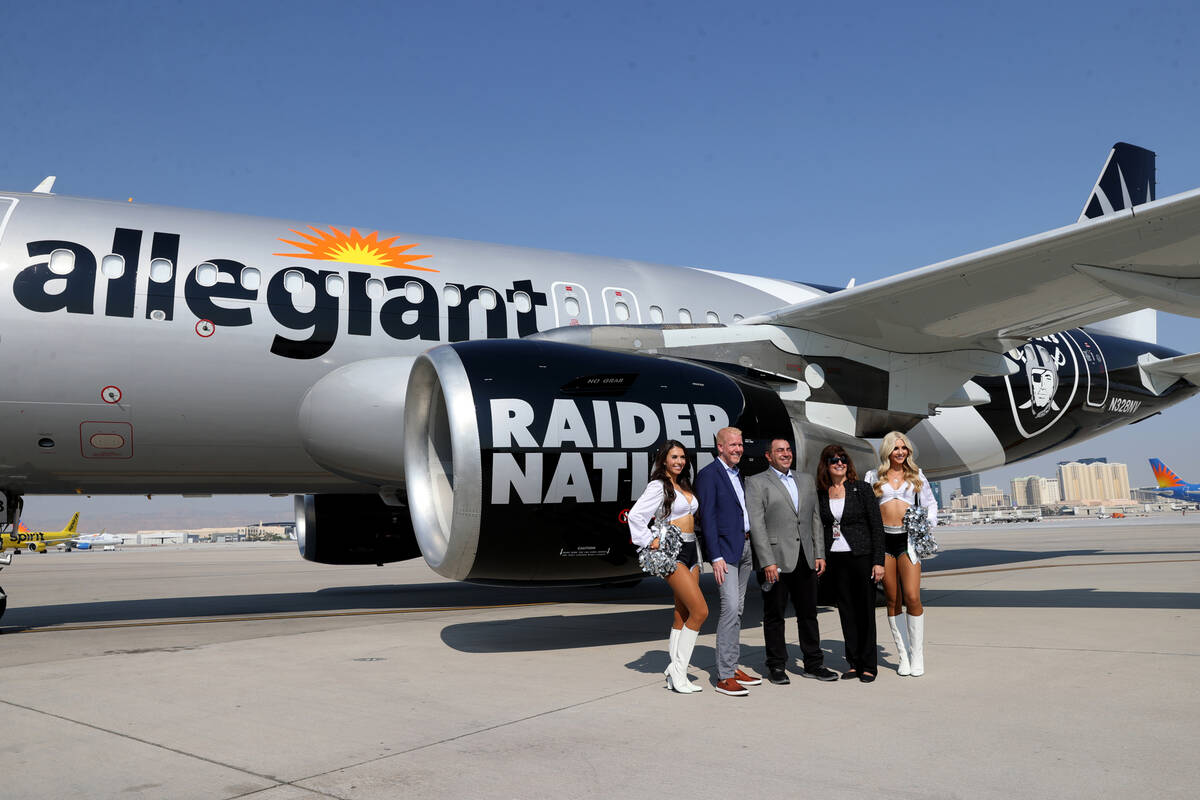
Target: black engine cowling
[353,529]
[522,457]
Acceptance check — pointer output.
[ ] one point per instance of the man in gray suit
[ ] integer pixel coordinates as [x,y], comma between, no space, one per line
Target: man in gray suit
[789,548]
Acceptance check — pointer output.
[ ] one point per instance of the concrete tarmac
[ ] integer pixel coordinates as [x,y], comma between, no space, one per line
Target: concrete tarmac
[1062,661]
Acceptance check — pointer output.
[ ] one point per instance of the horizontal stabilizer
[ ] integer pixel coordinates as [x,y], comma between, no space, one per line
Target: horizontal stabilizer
[1160,373]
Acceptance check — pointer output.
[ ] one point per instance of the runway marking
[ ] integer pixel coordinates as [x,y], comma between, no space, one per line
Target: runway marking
[267,617]
[1054,566]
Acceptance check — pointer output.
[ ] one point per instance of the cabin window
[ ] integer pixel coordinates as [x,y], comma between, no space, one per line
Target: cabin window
[712,318]
[206,274]
[738,318]
[487,298]
[685,316]
[375,288]
[62,262]
[414,292]
[335,285]
[293,281]
[622,311]
[522,302]
[112,266]
[453,295]
[656,315]
[572,307]
[251,278]
[161,270]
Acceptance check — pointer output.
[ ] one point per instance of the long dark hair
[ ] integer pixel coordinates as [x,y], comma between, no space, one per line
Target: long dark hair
[659,471]
[824,481]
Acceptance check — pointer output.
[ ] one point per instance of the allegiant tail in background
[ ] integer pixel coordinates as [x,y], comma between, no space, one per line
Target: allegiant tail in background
[1171,484]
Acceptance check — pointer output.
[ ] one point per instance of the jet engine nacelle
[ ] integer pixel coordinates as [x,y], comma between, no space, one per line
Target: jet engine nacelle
[522,458]
[353,529]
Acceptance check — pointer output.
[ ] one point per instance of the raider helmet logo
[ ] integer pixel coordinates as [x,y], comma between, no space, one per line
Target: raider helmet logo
[1051,377]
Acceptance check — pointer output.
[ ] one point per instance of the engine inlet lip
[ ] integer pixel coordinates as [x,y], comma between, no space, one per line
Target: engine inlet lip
[439,395]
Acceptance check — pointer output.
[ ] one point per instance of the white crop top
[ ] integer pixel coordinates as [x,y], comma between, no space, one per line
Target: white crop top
[905,493]
[648,505]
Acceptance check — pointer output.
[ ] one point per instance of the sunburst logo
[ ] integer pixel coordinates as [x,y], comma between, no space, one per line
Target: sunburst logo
[353,248]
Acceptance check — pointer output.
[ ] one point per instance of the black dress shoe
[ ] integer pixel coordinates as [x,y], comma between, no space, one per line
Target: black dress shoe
[866,677]
[778,676]
[821,674]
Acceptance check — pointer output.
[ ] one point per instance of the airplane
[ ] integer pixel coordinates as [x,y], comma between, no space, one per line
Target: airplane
[1171,485]
[36,541]
[89,541]
[495,408]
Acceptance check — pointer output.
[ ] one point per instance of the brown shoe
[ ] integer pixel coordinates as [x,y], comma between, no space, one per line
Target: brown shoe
[730,686]
[746,679]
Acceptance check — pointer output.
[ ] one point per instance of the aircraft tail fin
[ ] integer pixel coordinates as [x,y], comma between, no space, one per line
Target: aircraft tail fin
[1165,476]
[1127,180]
[73,524]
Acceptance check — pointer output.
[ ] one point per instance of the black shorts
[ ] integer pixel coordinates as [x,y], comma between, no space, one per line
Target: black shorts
[689,555]
[895,544]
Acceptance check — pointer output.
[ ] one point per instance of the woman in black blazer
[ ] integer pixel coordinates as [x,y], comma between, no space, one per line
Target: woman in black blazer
[853,555]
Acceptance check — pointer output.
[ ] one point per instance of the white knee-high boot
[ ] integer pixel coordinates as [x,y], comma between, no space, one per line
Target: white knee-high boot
[916,633]
[677,677]
[672,649]
[898,625]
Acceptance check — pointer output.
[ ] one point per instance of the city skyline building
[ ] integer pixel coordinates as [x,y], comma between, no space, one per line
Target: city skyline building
[969,484]
[1035,490]
[1094,482]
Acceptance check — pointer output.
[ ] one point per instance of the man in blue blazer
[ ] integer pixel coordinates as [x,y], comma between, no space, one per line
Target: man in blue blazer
[725,527]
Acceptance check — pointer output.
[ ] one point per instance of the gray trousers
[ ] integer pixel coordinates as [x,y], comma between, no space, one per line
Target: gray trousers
[729,624]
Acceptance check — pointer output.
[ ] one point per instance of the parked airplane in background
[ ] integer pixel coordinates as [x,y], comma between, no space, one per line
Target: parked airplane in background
[36,541]
[89,541]
[496,408]
[1171,485]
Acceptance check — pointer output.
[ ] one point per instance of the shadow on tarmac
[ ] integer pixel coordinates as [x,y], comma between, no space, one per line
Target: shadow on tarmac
[342,598]
[975,557]
[530,633]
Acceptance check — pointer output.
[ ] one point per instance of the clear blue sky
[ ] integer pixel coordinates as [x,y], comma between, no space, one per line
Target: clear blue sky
[754,137]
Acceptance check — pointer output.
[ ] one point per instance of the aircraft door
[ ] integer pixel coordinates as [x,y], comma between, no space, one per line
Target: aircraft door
[620,306]
[1097,369]
[571,304]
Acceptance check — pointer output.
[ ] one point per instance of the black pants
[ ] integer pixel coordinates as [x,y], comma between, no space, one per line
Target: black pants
[801,587]
[855,592]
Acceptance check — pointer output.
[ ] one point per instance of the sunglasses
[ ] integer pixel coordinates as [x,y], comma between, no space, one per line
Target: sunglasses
[835,460]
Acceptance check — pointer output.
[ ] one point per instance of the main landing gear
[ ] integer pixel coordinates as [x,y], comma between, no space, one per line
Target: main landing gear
[10,515]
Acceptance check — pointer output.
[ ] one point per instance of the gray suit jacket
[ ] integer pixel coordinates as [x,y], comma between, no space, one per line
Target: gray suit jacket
[778,532]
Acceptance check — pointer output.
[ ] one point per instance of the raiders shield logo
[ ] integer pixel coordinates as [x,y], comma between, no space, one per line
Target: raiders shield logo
[1050,372]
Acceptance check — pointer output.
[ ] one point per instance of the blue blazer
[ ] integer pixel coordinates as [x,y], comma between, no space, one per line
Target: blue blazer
[721,522]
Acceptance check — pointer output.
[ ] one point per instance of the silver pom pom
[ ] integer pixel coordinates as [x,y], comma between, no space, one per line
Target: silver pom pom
[661,562]
[920,533]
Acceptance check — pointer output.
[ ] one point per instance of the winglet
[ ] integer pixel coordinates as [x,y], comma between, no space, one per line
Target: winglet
[1127,180]
[46,185]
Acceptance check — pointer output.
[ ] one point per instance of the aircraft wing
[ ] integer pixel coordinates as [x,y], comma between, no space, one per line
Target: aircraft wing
[996,299]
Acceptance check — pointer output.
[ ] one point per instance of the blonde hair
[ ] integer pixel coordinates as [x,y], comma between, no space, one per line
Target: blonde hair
[726,433]
[912,472]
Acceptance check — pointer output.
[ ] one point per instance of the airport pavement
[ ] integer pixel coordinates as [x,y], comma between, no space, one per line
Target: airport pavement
[1062,662]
